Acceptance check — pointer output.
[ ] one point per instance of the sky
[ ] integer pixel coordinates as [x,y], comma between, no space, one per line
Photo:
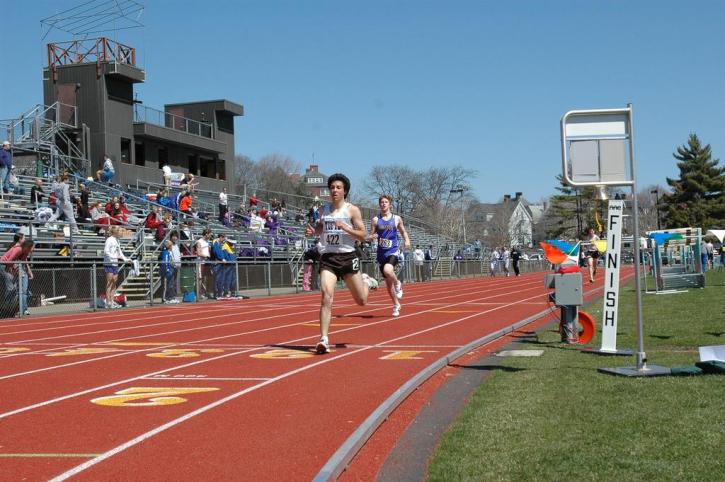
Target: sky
[478,84]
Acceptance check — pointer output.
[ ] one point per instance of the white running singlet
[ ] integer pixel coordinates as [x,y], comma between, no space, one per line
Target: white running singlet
[333,239]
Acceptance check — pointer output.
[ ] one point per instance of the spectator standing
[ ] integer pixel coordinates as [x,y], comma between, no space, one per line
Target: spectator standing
[418,261]
[505,260]
[311,256]
[203,254]
[223,204]
[16,274]
[36,193]
[494,259]
[168,271]
[175,260]
[710,251]
[6,164]
[253,201]
[428,257]
[166,175]
[63,200]
[222,258]
[106,173]
[111,254]
[515,257]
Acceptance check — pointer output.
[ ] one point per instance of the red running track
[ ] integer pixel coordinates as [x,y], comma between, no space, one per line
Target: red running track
[225,390]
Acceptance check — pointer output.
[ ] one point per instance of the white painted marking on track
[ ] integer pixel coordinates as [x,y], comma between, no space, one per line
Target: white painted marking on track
[145,436]
[206,360]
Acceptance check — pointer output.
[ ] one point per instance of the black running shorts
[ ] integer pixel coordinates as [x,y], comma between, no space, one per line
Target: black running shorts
[341,264]
[391,260]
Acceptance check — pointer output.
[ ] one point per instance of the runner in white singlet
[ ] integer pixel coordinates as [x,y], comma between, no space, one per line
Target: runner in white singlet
[339,227]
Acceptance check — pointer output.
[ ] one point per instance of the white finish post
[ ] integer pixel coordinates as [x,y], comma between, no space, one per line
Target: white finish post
[612,263]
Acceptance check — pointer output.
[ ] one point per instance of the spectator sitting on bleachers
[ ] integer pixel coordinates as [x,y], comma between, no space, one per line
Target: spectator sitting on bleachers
[162,228]
[107,172]
[256,223]
[154,218]
[253,201]
[118,216]
[83,214]
[36,193]
[163,198]
[14,183]
[100,217]
[110,204]
[188,181]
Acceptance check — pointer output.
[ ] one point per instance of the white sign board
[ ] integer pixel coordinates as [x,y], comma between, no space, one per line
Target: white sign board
[612,263]
[600,125]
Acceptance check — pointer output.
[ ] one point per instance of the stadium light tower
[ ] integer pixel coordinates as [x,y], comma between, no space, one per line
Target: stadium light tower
[461,190]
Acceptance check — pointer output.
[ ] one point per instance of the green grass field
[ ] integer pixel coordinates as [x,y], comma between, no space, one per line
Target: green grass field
[556,418]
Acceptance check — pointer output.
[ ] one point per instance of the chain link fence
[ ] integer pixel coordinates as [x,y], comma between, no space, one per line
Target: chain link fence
[46,288]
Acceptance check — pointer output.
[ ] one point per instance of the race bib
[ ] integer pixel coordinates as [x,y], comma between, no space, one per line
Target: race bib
[385,243]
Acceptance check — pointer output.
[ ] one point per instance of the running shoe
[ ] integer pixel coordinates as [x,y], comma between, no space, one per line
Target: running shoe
[399,290]
[322,346]
[371,282]
[396,310]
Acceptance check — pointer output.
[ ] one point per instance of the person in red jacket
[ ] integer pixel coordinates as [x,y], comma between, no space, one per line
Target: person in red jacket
[153,219]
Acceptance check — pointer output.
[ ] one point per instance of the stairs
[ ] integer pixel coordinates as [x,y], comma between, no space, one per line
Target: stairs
[137,287]
[443,267]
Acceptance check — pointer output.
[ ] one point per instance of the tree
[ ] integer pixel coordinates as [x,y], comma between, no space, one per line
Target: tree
[272,174]
[698,195]
[572,211]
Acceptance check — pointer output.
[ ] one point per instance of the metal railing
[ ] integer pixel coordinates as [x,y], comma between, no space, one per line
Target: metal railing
[99,49]
[168,120]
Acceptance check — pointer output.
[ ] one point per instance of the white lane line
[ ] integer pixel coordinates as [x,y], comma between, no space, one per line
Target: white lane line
[145,436]
[198,362]
[176,378]
[205,327]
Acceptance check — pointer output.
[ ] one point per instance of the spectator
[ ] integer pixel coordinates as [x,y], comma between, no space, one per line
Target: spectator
[311,257]
[84,194]
[223,206]
[505,260]
[19,253]
[256,223]
[111,204]
[100,218]
[106,173]
[162,198]
[418,261]
[36,193]
[188,182]
[118,216]
[83,214]
[6,163]
[65,208]
[429,257]
[111,254]
[166,172]
[18,239]
[253,201]
[185,201]
[710,251]
[220,269]
[203,254]
[515,257]
[154,218]
[162,228]
[169,268]
[494,259]
[14,183]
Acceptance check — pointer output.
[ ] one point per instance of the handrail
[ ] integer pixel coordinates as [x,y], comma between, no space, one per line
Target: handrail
[172,121]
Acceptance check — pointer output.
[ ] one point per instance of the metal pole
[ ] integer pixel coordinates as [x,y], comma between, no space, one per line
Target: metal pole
[269,278]
[236,276]
[151,283]
[92,284]
[641,355]
[94,290]
[21,295]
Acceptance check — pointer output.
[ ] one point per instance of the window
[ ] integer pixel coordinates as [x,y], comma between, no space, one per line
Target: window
[125,150]
[140,154]
[193,164]
[315,180]
[324,192]
[207,167]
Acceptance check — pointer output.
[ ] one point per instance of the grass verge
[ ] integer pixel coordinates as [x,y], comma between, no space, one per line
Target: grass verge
[556,418]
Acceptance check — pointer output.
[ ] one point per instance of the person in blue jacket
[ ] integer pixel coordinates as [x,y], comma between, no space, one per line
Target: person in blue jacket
[220,269]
